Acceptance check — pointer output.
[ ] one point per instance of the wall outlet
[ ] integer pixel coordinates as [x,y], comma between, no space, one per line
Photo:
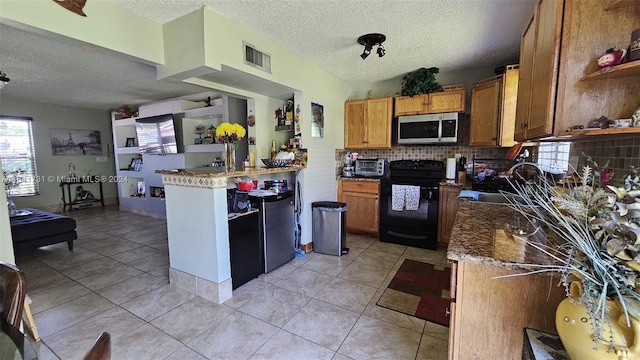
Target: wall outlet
[263,153]
[102,159]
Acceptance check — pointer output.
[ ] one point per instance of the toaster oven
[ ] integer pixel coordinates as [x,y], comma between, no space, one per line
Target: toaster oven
[371,167]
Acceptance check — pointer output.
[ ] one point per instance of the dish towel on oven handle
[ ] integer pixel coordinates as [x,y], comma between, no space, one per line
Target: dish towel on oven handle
[397,197]
[412,197]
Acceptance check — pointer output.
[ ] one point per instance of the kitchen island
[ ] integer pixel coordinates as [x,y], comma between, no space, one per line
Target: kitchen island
[197,228]
[488,314]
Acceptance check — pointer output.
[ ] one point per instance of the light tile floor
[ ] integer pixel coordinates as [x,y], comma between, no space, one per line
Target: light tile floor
[116,280]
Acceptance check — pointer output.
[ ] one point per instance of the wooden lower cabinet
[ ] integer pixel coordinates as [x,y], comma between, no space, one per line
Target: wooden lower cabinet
[362,199]
[447,208]
[489,315]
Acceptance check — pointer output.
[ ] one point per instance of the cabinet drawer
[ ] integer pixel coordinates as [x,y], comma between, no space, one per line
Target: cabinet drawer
[361,187]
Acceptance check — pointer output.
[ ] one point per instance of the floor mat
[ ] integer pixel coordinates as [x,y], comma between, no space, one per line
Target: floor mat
[421,290]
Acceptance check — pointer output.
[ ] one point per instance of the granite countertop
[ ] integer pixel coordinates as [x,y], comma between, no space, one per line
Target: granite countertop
[216,172]
[450,183]
[359,179]
[479,236]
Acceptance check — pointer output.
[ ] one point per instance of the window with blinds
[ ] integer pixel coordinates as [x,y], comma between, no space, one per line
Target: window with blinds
[554,157]
[18,155]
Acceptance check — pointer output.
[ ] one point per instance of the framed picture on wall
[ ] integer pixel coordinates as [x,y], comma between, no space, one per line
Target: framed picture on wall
[75,142]
[131,142]
[317,120]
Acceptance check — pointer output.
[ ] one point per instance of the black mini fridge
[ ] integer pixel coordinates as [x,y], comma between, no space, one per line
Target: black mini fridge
[276,228]
[245,248]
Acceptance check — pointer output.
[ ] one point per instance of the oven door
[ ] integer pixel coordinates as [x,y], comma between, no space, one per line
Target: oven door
[419,129]
[417,228]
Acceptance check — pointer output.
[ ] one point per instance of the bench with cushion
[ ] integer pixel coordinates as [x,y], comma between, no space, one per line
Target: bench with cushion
[42,228]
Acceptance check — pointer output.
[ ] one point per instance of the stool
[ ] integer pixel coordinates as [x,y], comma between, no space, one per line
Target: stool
[30,321]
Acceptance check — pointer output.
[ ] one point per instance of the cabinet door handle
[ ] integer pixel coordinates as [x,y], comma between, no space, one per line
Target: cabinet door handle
[447,312]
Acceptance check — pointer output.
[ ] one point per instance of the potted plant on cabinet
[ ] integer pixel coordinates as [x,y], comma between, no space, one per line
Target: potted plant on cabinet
[421,81]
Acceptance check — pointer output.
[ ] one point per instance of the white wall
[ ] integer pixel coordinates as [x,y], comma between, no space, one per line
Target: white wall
[47,116]
[6,244]
[222,44]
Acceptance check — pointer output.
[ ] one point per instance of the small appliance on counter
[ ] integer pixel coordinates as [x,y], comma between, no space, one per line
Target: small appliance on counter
[276,185]
[347,171]
[371,167]
[349,161]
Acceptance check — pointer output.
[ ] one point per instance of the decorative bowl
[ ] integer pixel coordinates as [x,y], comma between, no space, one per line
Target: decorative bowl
[276,163]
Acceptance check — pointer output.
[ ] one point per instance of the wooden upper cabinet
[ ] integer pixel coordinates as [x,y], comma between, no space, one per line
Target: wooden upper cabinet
[546,57]
[354,123]
[508,100]
[493,109]
[412,105]
[485,112]
[368,124]
[539,58]
[379,124]
[452,99]
[523,104]
[560,82]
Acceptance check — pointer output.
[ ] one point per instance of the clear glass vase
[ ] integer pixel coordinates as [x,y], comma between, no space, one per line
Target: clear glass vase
[11,206]
[230,160]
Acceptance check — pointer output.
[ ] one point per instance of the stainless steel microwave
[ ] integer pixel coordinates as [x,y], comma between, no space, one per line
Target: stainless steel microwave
[428,129]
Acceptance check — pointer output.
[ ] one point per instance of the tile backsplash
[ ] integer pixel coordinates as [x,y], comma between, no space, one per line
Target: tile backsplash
[621,153]
[430,152]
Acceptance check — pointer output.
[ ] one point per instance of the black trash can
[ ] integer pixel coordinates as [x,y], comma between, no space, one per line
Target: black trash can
[329,234]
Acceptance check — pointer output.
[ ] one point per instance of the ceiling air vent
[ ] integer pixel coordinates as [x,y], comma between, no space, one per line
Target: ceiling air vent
[256,58]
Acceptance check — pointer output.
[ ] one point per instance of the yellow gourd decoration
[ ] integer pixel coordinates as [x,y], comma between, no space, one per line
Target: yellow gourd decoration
[575,329]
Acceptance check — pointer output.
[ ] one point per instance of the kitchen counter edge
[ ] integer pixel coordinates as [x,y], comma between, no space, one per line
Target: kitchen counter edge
[359,179]
[473,236]
[203,172]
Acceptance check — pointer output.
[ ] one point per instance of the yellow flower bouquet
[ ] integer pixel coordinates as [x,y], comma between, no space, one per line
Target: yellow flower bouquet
[230,133]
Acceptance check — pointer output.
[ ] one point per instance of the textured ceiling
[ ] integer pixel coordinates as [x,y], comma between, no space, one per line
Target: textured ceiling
[448,34]
[50,70]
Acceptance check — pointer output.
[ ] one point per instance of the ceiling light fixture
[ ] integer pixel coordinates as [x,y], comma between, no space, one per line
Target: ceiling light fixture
[4,80]
[369,41]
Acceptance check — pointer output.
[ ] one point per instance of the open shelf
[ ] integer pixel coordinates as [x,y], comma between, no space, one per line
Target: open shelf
[577,135]
[608,131]
[284,127]
[128,150]
[618,71]
[616,4]
[207,148]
